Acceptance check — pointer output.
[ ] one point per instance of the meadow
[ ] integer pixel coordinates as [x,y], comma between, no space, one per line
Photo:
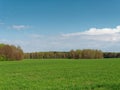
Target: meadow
[61,74]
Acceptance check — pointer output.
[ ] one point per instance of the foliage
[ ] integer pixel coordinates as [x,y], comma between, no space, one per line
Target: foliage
[10,52]
[2,58]
[111,55]
[73,54]
[102,74]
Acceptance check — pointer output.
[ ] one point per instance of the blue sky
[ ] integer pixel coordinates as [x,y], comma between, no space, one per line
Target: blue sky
[60,25]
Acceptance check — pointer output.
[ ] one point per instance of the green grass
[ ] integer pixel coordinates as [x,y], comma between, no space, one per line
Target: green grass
[60,74]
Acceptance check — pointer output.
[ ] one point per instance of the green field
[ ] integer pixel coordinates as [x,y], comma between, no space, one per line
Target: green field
[60,74]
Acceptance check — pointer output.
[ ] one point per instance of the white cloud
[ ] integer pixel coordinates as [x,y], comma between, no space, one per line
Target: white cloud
[95,31]
[104,34]
[19,27]
[36,36]
[106,39]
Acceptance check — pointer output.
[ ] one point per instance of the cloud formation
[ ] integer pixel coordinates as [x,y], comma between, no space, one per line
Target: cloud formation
[95,31]
[19,27]
[106,39]
[104,34]
[35,36]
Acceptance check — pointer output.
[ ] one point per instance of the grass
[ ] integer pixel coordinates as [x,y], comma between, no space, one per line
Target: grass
[103,74]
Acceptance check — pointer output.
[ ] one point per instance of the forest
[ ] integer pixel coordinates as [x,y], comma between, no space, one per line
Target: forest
[73,54]
[11,53]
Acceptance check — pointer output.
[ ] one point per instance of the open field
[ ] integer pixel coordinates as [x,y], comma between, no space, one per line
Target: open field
[60,74]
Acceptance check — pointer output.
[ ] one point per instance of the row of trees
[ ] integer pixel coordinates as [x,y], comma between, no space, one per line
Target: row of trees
[73,54]
[111,55]
[10,52]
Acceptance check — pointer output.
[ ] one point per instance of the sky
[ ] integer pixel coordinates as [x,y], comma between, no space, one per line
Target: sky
[60,25]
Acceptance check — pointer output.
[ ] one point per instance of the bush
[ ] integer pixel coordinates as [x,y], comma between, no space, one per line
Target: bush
[2,58]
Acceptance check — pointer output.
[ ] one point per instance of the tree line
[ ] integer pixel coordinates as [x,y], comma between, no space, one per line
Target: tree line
[73,54]
[111,54]
[10,52]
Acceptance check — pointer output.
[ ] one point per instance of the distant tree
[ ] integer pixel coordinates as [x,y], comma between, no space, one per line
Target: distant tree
[10,52]
[73,54]
[92,54]
[78,54]
[111,55]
